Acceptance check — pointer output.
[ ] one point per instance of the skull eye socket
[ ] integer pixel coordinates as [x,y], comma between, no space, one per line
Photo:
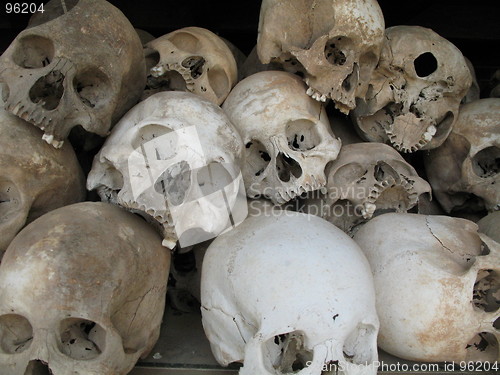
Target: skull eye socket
[33,52]
[486,163]
[425,64]
[482,347]
[302,135]
[186,42]
[287,353]
[485,295]
[81,339]
[16,334]
[334,53]
[174,182]
[93,87]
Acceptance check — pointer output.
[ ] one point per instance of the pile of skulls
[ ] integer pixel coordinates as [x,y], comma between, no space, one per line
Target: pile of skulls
[339,188]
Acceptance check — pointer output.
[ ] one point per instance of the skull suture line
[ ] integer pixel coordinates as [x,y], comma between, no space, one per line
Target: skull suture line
[415,92]
[283,300]
[35,178]
[438,283]
[169,151]
[287,135]
[85,67]
[464,170]
[334,44]
[83,292]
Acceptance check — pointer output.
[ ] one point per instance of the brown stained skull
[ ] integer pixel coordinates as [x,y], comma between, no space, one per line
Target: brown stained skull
[333,44]
[35,178]
[83,67]
[191,59]
[464,170]
[83,292]
[415,91]
[366,180]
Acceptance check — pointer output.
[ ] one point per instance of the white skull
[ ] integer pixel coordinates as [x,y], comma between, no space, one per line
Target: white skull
[464,171]
[85,67]
[415,92]
[35,178]
[83,292]
[282,300]
[287,135]
[334,44]
[437,282]
[366,179]
[164,156]
[192,59]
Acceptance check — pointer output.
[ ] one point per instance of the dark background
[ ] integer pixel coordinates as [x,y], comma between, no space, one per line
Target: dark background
[473,26]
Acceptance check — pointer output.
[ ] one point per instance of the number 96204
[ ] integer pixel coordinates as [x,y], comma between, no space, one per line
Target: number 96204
[23,8]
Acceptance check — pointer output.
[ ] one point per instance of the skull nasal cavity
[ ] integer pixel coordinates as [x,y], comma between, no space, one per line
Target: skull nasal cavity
[425,64]
[287,167]
[37,368]
[48,90]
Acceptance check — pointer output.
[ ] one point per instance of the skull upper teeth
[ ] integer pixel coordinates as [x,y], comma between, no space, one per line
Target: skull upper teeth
[49,138]
[316,95]
[158,71]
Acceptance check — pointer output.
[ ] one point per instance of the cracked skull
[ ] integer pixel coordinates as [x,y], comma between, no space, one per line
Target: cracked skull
[367,179]
[438,287]
[333,44]
[284,301]
[192,59]
[287,135]
[35,178]
[83,292]
[173,159]
[415,91]
[464,171]
[84,67]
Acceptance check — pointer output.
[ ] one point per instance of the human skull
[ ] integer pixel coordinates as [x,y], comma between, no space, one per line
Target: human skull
[167,154]
[35,178]
[437,282]
[464,171]
[85,67]
[415,92]
[192,59]
[334,44]
[366,179]
[83,292]
[287,135]
[282,300]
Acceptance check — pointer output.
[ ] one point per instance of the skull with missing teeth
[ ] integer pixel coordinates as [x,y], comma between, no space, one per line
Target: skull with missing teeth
[164,157]
[415,92]
[287,135]
[334,44]
[192,59]
[85,67]
[366,179]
